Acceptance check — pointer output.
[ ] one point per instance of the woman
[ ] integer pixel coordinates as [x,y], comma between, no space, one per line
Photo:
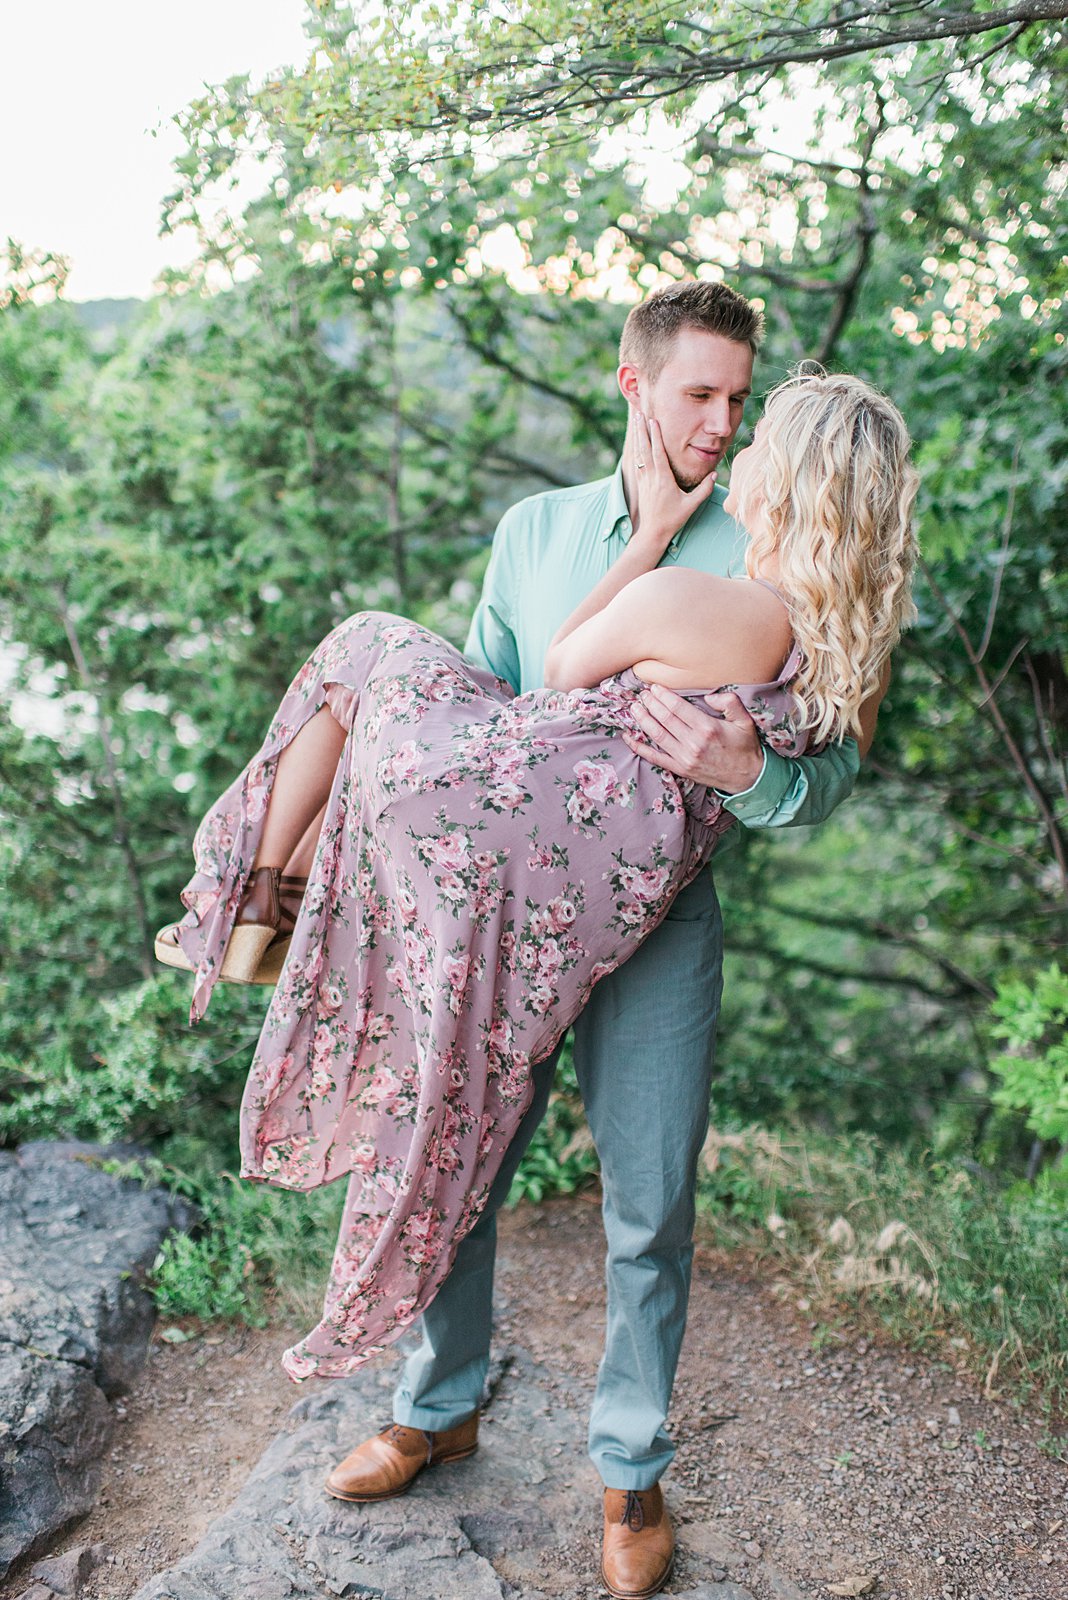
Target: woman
[485,858]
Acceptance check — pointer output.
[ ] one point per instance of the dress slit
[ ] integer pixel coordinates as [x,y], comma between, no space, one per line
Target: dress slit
[484,860]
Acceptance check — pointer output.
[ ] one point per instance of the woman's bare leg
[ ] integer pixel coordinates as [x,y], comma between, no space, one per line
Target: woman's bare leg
[299,863]
[303,780]
[302,783]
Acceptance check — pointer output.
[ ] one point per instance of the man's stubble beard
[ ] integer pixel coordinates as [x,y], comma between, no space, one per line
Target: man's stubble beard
[688,481]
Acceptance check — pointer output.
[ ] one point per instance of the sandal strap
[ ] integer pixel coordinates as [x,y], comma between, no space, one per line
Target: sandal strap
[290,889]
[260,903]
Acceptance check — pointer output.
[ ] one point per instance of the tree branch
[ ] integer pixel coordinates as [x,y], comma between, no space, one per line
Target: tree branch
[1019,760]
[882,933]
[866,231]
[1006,535]
[603,81]
[570,398]
[827,969]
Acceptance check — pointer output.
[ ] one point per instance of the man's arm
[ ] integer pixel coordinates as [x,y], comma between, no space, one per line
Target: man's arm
[797,791]
[762,788]
[491,640]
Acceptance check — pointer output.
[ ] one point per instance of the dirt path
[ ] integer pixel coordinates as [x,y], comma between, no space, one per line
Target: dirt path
[807,1457]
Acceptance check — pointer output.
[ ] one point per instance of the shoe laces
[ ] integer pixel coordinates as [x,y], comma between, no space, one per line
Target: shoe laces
[633,1512]
[396,1430]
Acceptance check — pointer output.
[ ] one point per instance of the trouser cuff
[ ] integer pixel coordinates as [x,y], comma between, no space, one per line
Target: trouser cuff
[430,1419]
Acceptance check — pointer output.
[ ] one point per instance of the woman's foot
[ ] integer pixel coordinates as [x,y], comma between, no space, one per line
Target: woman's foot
[260,938]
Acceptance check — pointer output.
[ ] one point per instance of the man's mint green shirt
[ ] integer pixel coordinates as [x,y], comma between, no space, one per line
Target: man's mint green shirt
[551,550]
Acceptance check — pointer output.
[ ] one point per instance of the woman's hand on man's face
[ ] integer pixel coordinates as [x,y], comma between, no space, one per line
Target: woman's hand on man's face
[662,507]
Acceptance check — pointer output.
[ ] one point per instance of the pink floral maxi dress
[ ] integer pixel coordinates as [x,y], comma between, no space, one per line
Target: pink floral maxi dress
[485,859]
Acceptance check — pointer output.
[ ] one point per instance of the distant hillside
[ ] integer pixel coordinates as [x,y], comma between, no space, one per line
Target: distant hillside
[104,320]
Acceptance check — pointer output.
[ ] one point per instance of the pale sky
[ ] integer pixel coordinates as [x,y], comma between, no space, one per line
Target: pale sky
[84,84]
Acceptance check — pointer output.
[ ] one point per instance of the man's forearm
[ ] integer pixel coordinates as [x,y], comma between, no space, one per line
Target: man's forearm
[797,791]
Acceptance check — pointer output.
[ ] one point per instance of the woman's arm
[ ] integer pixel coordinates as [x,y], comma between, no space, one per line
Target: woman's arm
[631,623]
[678,625]
[661,510]
[869,711]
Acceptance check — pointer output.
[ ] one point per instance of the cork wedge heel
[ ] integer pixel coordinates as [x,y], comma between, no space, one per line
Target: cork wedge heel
[260,938]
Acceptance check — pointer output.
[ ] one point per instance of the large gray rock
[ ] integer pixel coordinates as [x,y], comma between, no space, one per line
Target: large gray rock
[519,1519]
[75,1319]
[283,1538]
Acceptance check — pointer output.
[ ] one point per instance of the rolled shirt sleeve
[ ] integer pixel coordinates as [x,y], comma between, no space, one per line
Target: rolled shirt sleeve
[797,791]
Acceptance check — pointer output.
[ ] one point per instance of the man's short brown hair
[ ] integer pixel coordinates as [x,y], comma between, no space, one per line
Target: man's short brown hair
[652,327]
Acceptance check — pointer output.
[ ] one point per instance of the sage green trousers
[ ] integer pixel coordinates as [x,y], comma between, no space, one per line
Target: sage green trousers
[644,1051]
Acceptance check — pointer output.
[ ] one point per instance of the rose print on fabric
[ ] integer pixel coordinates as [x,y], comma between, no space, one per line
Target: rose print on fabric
[484,861]
[594,789]
[641,888]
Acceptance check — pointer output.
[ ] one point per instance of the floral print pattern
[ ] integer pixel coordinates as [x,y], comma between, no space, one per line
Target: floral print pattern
[486,858]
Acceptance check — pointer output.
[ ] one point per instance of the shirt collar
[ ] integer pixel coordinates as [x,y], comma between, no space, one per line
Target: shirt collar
[615,510]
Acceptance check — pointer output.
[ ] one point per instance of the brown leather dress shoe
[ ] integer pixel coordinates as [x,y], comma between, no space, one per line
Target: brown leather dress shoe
[639,1546]
[390,1461]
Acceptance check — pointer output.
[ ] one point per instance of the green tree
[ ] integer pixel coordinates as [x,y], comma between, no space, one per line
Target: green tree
[179,523]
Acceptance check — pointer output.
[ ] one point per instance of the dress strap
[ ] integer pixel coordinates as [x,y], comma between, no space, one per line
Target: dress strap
[796,656]
[766,585]
[792,664]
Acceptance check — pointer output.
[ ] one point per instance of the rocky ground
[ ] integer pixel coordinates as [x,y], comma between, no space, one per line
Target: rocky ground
[75,1322]
[812,1461]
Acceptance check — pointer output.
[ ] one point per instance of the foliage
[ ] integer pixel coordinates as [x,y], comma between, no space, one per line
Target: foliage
[392,86]
[1033,1018]
[255,1253]
[934,1252]
[140,1077]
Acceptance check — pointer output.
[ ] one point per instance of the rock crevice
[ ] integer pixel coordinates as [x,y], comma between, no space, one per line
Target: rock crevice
[75,1321]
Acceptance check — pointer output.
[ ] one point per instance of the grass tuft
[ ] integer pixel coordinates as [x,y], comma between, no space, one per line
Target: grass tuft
[932,1251]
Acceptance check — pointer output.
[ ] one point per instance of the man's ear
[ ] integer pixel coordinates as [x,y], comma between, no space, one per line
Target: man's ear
[629,378]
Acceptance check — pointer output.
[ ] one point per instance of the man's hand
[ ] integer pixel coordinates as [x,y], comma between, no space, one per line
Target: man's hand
[722,751]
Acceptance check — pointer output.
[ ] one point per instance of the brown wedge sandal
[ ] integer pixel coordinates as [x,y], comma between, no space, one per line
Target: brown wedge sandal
[259,940]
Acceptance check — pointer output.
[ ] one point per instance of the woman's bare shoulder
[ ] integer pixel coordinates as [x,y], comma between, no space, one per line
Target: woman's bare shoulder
[709,589]
[713,629]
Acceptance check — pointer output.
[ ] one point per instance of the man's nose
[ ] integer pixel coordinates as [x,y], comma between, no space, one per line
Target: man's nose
[717,417]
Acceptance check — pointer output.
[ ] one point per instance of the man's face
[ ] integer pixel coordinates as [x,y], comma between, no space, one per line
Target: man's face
[698,398]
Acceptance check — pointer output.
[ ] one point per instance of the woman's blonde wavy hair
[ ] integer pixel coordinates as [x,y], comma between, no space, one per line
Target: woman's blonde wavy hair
[830,489]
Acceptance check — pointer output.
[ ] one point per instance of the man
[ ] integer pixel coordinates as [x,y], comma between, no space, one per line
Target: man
[644,1045]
